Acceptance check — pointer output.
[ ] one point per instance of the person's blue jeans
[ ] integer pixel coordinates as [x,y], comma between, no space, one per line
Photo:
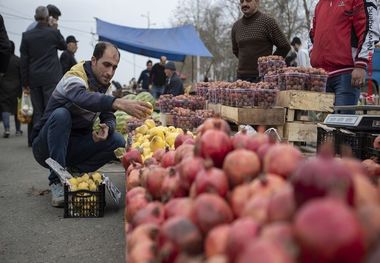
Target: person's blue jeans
[345,93]
[6,121]
[79,152]
[157,91]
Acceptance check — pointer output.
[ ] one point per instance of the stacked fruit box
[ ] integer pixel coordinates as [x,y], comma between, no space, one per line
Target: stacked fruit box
[304,109]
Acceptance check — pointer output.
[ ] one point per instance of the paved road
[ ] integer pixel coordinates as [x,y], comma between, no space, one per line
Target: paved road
[33,231]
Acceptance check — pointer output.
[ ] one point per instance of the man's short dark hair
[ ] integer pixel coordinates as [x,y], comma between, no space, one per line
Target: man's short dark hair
[54,11]
[101,47]
[149,61]
[296,40]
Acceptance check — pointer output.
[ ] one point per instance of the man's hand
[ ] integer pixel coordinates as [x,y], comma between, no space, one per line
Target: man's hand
[377,45]
[138,109]
[26,90]
[358,77]
[102,134]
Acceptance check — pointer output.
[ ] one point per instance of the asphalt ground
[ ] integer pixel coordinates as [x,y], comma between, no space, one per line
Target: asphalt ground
[32,231]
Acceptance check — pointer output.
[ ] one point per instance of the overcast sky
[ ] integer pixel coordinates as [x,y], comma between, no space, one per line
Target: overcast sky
[78,19]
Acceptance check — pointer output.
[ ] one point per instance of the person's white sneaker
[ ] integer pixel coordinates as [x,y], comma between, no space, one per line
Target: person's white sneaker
[57,195]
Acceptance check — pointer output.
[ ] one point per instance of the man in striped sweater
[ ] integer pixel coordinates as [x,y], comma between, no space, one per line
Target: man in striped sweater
[343,35]
[253,36]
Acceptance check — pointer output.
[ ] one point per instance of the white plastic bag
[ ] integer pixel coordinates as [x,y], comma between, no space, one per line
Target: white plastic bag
[26,104]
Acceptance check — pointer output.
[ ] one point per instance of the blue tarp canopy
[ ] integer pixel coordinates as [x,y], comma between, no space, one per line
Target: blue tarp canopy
[174,43]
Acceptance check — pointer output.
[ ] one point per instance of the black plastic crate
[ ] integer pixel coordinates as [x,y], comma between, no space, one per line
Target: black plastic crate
[84,203]
[358,142]
[324,134]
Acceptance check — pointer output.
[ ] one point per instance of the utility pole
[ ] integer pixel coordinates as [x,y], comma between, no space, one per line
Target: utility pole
[198,58]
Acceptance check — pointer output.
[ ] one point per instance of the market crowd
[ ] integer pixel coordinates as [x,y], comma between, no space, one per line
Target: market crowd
[67,96]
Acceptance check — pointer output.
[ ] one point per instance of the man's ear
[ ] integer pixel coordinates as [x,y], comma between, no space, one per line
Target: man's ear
[93,61]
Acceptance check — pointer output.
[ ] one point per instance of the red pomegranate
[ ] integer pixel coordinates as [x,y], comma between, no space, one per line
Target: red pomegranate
[216,241]
[145,232]
[241,231]
[182,152]
[135,200]
[154,181]
[241,166]
[263,251]
[179,207]
[257,209]
[168,159]
[132,155]
[150,162]
[214,124]
[282,159]
[158,154]
[267,185]
[146,251]
[133,179]
[369,218]
[365,192]
[188,169]
[177,235]
[239,197]
[180,139]
[282,205]
[319,177]
[282,234]
[240,140]
[328,231]
[209,211]
[152,213]
[171,186]
[211,180]
[256,141]
[215,144]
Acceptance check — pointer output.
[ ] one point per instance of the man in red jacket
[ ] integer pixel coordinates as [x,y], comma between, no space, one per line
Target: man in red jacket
[338,26]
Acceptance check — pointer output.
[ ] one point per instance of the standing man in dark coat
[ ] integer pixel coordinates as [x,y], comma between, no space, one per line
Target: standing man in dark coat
[174,84]
[254,36]
[144,78]
[10,90]
[158,78]
[67,58]
[4,48]
[40,67]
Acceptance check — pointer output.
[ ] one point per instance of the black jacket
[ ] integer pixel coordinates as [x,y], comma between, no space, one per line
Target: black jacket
[145,79]
[174,85]
[10,86]
[39,59]
[5,50]
[157,75]
[67,60]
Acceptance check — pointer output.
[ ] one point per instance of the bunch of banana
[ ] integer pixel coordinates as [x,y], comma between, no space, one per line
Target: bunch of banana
[150,138]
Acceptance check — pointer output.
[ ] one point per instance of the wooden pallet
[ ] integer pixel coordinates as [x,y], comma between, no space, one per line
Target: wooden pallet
[253,116]
[300,132]
[306,100]
[306,116]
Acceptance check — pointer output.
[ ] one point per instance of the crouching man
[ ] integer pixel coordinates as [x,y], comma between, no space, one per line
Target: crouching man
[65,131]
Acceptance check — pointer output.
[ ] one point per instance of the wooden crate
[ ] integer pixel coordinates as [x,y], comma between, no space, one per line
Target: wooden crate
[166,119]
[253,116]
[306,100]
[307,116]
[300,132]
[214,107]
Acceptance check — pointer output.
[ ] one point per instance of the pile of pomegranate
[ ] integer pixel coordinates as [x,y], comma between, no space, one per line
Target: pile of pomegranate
[241,198]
